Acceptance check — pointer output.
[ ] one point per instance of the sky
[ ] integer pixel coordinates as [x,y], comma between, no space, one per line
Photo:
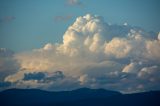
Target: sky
[58,45]
[30,24]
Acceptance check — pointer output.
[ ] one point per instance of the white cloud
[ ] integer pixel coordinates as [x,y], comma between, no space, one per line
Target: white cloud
[147,71]
[15,77]
[159,36]
[125,24]
[83,79]
[153,49]
[130,68]
[93,54]
[118,47]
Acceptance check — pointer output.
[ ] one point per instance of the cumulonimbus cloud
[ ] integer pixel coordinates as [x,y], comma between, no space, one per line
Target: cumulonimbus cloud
[94,54]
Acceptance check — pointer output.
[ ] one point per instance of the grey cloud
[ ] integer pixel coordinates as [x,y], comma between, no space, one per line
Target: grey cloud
[57,75]
[7,18]
[34,76]
[74,3]
[4,84]
[8,64]
[62,18]
[67,83]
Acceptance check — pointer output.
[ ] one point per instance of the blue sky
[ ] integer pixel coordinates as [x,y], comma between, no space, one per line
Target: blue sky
[28,24]
[52,53]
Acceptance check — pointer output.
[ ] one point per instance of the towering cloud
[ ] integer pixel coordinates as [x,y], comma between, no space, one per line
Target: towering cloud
[93,54]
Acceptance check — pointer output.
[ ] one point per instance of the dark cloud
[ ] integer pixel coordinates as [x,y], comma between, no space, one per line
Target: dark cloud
[62,83]
[6,53]
[4,84]
[8,64]
[34,76]
[58,75]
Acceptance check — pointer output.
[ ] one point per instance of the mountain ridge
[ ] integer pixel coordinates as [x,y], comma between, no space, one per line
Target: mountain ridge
[78,97]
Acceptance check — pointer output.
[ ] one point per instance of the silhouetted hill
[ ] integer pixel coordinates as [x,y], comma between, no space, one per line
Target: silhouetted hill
[79,97]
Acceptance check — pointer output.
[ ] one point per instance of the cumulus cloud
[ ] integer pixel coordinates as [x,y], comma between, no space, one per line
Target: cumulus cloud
[146,71]
[153,49]
[159,36]
[129,68]
[118,47]
[93,54]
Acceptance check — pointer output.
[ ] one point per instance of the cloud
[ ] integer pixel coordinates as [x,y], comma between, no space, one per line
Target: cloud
[7,18]
[74,2]
[129,68]
[93,54]
[34,76]
[4,84]
[13,78]
[42,80]
[153,49]
[118,47]
[62,18]
[55,76]
[147,71]
[159,36]
[8,64]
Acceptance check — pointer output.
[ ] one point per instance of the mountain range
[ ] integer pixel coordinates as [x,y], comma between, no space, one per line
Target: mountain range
[78,97]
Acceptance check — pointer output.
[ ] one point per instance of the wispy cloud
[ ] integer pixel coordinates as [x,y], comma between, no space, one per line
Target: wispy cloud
[62,18]
[7,18]
[75,3]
